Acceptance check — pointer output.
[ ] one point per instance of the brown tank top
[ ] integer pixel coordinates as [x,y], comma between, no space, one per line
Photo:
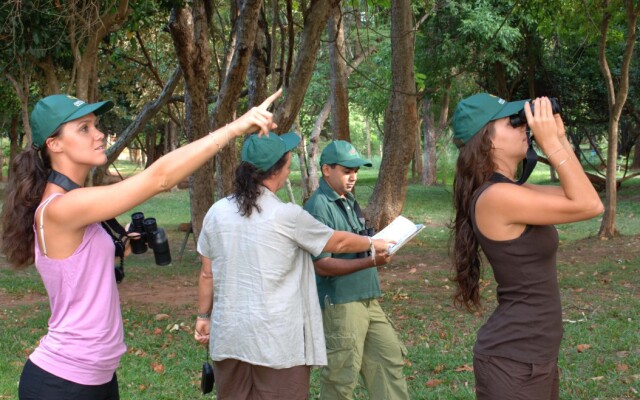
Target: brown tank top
[527,324]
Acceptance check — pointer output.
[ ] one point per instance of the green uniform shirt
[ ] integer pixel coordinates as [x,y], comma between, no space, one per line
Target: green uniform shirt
[360,285]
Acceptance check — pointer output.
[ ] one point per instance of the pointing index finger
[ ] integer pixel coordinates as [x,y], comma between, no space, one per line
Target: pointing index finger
[265,104]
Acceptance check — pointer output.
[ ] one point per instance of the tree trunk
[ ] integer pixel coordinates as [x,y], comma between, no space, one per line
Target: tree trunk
[49,69]
[14,139]
[21,88]
[401,122]
[636,154]
[339,96]
[367,135]
[429,171]
[616,104]
[314,147]
[304,168]
[258,67]
[86,39]
[130,133]
[224,112]
[189,30]
[315,19]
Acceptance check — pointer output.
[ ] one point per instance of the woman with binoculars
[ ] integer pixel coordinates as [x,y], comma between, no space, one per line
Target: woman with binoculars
[516,350]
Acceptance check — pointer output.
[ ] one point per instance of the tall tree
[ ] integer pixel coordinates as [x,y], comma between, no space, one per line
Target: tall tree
[88,24]
[616,99]
[339,96]
[189,30]
[401,121]
[246,26]
[315,19]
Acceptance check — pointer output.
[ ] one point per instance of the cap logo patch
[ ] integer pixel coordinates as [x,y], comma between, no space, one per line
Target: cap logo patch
[78,103]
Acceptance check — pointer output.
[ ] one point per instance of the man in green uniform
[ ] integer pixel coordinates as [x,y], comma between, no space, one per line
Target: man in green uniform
[359,336]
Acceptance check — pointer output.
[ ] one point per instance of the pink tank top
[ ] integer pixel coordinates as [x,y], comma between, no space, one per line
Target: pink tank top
[85,339]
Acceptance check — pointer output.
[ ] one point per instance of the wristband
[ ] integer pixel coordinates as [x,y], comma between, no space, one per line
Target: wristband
[206,315]
[372,249]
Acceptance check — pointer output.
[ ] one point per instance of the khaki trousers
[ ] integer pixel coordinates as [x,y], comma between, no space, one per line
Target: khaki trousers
[361,340]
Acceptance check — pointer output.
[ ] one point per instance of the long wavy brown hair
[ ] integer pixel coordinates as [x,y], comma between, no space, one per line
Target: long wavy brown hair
[248,182]
[27,179]
[474,168]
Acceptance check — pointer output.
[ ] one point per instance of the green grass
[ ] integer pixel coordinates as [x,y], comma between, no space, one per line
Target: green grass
[599,280]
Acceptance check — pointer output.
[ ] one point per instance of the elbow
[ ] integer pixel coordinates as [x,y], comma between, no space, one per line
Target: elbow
[322,269]
[598,207]
[595,207]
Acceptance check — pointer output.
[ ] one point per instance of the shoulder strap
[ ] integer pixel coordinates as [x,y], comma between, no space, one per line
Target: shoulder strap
[111,226]
[359,214]
[356,209]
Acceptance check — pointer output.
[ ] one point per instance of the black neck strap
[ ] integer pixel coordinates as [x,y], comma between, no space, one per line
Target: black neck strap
[62,180]
[67,184]
[529,163]
[358,211]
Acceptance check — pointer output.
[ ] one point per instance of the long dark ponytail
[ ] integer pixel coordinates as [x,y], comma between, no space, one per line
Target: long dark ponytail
[27,179]
[474,168]
[248,184]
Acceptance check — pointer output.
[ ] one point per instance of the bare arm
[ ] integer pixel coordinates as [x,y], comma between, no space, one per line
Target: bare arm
[347,242]
[205,300]
[575,200]
[81,207]
[329,266]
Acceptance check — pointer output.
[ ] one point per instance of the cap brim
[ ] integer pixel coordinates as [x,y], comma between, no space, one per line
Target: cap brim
[510,108]
[98,108]
[355,163]
[291,140]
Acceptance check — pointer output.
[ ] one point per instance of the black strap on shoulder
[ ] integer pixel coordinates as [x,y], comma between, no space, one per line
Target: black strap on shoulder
[67,184]
[111,226]
[530,161]
[358,211]
[499,178]
[62,180]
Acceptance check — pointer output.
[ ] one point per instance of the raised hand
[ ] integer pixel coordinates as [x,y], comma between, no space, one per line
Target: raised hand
[543,123]
[258,118]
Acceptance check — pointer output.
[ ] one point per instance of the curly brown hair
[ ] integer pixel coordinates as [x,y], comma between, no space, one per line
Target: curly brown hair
[27,179]
[473,169]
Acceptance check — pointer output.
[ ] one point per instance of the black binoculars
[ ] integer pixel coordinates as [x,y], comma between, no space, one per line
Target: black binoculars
[520,118]
[144,233]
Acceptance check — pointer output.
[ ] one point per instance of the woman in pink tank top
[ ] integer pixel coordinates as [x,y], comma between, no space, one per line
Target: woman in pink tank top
[74,255]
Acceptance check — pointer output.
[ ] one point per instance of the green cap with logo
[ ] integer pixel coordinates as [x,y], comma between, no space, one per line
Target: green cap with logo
[476,111]
[342,153]
[52,111]
[264,151]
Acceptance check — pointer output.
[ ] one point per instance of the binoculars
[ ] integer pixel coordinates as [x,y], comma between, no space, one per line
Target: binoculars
[144,233]
[520,118]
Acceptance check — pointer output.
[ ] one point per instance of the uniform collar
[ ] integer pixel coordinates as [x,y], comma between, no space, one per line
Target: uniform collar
[332,194]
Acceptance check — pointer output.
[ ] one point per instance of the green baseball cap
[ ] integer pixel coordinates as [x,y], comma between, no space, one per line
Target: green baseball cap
[263,152]
[53,111]
[476,111]
[343,153]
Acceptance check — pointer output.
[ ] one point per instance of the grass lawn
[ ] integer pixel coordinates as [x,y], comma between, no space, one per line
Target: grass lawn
[599,281]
